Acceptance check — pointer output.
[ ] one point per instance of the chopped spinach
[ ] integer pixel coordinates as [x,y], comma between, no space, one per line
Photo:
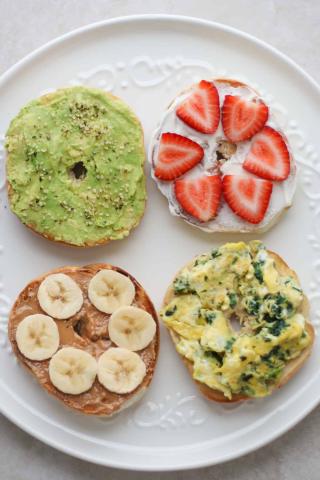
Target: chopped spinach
[171,311]
[181,285]
[278,298]
[217,356]
[274,352]
[246,376]
[229,344]
[276,328]
[253,305]
[200,261]
[278,307]
[267,339]
[273,374]
[215,253]
[248,390]
[290,282]
[268,318]
[258,273]
[209,316]
[233,299]
[297,289]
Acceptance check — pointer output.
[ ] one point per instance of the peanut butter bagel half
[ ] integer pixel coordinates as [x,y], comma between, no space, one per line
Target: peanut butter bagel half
[61,326]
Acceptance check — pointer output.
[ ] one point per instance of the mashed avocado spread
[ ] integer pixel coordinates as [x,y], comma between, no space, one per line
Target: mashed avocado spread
[75,166]
[239,283]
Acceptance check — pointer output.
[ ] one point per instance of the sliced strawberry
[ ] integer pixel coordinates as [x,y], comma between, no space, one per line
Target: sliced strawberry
[200,196]
[201,110]
[268,156]
[177,154]
[242,118]
[247,197]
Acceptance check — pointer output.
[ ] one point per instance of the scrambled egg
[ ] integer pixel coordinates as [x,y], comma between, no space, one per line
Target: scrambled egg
[237,282]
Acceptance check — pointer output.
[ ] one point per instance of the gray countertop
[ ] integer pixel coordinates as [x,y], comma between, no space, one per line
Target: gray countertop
[290,25]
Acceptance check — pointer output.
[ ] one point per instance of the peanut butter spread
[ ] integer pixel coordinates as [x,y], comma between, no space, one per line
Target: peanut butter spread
[87,330]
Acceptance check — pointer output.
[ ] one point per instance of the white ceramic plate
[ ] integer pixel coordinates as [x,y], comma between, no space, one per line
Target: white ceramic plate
[147,60]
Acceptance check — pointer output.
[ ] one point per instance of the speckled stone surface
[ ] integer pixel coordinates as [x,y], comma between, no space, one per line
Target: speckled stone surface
[290,25]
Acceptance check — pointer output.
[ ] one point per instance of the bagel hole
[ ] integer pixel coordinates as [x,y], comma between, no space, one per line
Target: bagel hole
[225,150]
[235,323]
[78,171]
[77,327]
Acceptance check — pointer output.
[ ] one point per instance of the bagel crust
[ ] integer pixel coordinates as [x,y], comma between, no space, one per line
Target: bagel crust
[75,167]
[291,367]
[88,331]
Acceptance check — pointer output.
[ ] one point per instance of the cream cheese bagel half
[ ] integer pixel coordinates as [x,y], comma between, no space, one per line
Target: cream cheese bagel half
[239,319]
[89,335]
[221,159]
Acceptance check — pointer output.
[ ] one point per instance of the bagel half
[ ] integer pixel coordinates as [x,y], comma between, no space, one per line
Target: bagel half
[291,368]
[86,330]
[81,151]
[225,220]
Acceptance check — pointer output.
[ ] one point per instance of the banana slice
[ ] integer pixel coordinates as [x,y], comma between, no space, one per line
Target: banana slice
[131,328]
[37,337]
[120,370]
[72,370]
[109,290]
[60,296]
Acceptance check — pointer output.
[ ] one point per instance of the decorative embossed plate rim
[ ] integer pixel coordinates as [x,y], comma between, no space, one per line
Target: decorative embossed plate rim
[169,409]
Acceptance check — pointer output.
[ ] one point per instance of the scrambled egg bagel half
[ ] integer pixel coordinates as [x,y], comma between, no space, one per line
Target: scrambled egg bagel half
[249,286]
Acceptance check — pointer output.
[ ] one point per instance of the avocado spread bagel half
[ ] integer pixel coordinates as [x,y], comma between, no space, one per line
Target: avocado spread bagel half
[239,319]
[75,167]
[89,335]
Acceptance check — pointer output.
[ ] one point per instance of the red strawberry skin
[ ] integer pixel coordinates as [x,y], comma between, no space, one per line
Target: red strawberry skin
[177,154]
[199,197]
[247,197]
[201,110]
[268,157]
[243,118]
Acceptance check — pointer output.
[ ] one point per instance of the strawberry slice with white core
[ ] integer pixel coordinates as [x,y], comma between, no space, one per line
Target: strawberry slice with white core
[177,154]
[268,157]
[201,109]
[200,196]
[243,118]
[247,197]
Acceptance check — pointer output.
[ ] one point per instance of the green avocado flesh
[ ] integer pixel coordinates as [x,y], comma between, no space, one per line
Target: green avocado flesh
[75,166]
